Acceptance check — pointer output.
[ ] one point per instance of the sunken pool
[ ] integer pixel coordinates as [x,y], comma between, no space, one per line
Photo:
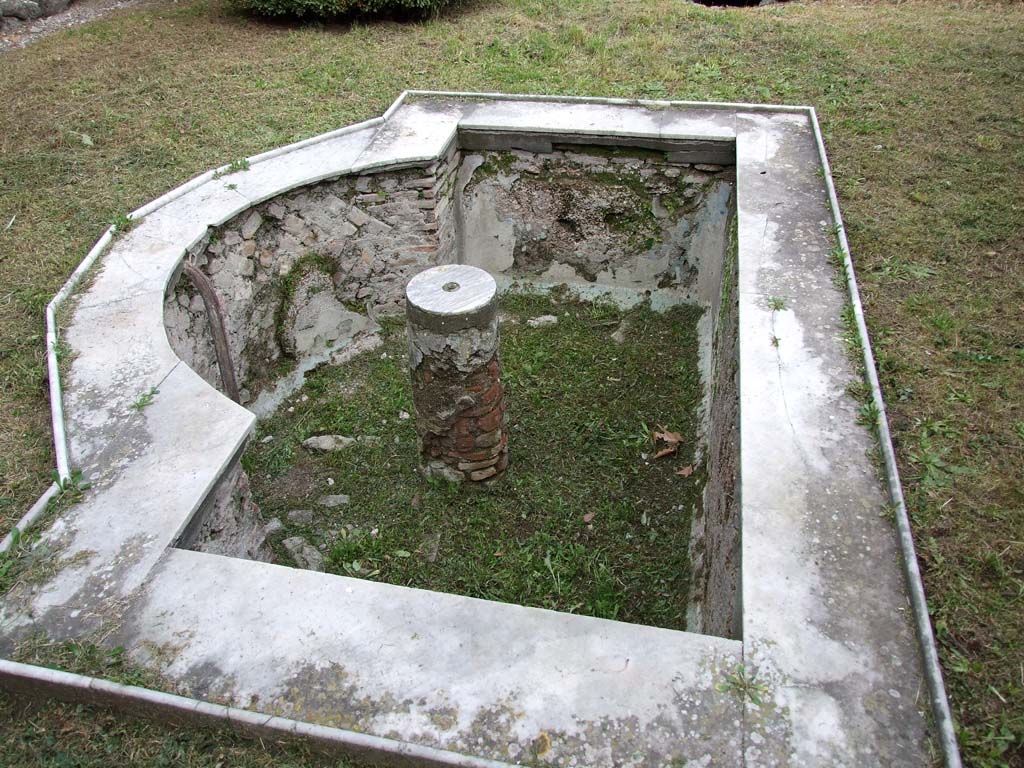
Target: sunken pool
[691,557]
[612,260]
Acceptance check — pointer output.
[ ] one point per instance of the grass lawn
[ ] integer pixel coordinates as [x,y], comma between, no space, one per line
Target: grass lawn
[922,105]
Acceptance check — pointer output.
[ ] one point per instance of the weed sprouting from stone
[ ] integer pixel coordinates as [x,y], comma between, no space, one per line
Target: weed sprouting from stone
[122,223]
[87,658]
[71,486]
[24,560]
[744,685]
[145,399]
[62,350]
[776,305]
[868,415]
[235,166]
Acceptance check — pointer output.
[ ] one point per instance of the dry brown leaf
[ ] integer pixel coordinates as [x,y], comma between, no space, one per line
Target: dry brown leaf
[667,436]
[685,471]
[665,452]
[588,517]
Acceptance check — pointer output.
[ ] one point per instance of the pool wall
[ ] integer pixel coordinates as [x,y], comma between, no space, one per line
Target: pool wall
[303,276]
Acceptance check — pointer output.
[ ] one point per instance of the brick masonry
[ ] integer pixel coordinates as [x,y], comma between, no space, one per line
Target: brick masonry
[469,442]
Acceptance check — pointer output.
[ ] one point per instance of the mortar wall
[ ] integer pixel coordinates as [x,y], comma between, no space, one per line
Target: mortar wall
[627,218]
[715,602]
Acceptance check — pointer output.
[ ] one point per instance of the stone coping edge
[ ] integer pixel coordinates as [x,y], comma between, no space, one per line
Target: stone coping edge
[45,682]
[926,639]
[922,622]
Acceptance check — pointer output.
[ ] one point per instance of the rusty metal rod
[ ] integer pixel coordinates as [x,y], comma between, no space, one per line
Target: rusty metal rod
[220,338]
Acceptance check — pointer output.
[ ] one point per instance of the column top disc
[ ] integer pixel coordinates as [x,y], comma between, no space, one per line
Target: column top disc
[451,289]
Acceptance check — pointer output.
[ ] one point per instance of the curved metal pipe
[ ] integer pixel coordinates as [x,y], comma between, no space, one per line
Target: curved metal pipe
[220,338]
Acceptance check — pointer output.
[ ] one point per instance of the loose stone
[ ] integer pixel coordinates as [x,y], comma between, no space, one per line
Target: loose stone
[300,516]
[327,443]
[21,9]
[619,334]
[304,554]
[334,500]
[542,321]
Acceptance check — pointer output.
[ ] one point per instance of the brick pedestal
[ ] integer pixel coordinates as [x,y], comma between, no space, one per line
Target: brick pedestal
[456,373]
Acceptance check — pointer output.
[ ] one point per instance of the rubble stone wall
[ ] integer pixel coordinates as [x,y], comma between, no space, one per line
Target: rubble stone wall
[229,523]
[470,441]
[305,273]
[619,217]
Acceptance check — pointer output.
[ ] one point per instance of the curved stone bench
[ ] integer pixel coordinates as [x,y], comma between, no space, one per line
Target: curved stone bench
[822,606]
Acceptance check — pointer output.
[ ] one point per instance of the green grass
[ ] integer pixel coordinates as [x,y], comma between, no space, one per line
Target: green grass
[28,560]
[585,519]
[56,735]
[50,735]
[921,104]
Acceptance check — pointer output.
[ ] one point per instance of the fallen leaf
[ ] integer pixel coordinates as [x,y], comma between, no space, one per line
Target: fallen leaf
[415,502]
[666,436]
[685,471]
[499,553]
[666,452]
[402,553]
[588,517]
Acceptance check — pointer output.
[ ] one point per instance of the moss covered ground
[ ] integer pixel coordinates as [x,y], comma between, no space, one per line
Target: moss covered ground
[585,520]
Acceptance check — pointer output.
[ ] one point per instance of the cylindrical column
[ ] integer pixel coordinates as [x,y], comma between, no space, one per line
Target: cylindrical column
[452,314]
